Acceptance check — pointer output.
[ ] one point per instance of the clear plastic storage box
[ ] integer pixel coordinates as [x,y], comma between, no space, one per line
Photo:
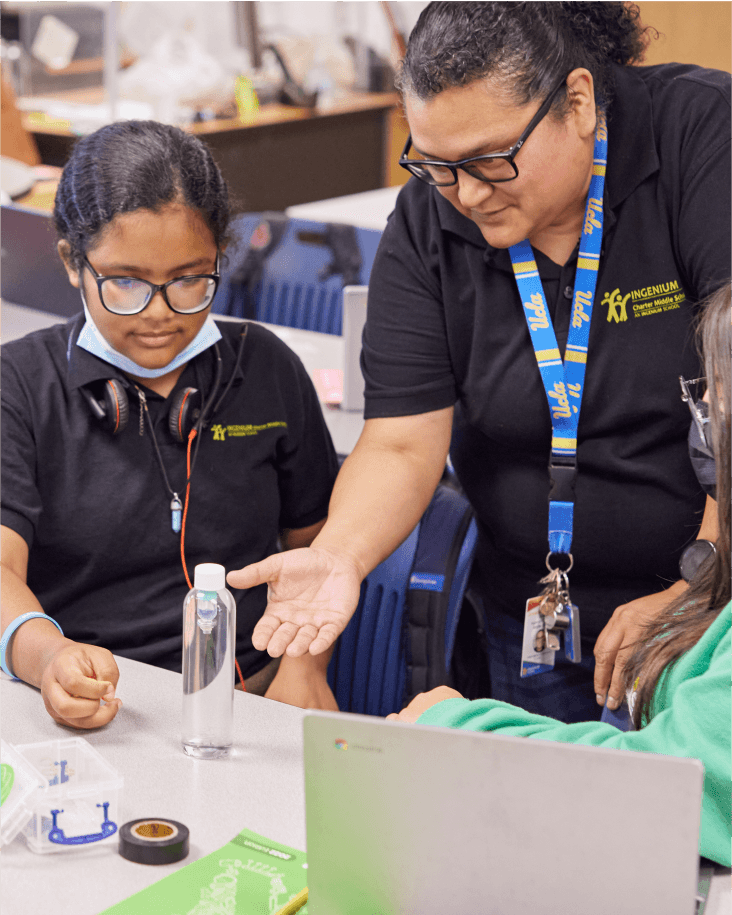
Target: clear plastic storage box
[79,807]
[20,786]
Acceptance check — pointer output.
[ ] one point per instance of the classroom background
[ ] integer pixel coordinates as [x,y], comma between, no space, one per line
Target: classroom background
[297,102]
[266,84]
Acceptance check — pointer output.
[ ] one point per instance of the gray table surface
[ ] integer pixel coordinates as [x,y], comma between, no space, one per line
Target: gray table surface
[259,787]
[317,351]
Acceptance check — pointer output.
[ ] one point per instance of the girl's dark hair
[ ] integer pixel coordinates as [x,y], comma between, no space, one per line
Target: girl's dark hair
[685,621]
[526,47]
[133,165]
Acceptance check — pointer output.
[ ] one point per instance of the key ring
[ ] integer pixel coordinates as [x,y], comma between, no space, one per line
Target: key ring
[557,569]
[563,588]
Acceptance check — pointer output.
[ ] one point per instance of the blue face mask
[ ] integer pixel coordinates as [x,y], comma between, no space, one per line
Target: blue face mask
[93,342]
[701,454]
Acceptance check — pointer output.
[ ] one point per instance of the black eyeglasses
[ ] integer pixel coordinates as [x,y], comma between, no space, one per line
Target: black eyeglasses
[699,409]
[493,168]
[128,295]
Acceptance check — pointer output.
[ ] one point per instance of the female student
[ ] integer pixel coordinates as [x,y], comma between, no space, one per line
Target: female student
[677,673]
[143,438]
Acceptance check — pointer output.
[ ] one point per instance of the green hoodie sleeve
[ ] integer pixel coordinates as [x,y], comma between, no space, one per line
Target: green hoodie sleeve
[693,716]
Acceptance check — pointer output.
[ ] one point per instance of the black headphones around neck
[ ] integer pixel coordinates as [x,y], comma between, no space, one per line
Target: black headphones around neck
[113,408]
[187,410]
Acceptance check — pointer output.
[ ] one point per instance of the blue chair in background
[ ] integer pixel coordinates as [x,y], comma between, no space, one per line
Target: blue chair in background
[292,271]
[398,643]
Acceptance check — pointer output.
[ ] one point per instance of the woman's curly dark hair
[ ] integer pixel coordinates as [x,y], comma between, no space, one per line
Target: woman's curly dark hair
[526,47]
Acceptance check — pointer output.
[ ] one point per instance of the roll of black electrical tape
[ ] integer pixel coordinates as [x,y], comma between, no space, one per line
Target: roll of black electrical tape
[153,841]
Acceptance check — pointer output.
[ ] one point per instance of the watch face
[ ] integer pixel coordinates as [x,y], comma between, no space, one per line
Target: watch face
[694,557]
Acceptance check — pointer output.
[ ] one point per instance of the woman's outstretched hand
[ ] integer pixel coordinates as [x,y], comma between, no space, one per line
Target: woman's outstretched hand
[312,594]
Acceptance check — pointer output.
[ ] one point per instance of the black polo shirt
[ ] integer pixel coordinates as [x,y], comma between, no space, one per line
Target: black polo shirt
[95,512]
[446,326]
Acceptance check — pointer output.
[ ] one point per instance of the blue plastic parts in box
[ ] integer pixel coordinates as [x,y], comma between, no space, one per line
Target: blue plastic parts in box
[74,801]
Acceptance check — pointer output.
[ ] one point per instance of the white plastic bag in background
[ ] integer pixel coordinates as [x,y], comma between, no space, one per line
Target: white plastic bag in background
[188,56]
[177,76]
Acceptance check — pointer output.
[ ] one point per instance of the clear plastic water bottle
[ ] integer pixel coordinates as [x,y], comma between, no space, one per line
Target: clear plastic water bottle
[209,639]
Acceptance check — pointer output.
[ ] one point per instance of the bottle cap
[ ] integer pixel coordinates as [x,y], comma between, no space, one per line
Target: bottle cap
[209,576]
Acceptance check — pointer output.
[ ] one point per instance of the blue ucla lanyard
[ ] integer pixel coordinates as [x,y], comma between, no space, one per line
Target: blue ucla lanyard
[564,382]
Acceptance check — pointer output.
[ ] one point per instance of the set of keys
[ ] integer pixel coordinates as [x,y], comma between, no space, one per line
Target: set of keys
[558,615]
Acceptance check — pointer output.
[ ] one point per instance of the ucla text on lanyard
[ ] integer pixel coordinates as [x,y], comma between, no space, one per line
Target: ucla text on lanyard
[553,612]
[564,382]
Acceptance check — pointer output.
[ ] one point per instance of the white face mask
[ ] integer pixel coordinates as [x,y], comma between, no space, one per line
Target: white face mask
[93,342]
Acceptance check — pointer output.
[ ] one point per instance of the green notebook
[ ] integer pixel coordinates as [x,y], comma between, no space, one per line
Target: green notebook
[249,876]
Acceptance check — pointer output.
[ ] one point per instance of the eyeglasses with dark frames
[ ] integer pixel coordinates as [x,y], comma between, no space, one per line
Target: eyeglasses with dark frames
[493,168]
[129,295]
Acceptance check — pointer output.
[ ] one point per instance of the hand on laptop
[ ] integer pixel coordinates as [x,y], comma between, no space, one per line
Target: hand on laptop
[312,594]
[422,702]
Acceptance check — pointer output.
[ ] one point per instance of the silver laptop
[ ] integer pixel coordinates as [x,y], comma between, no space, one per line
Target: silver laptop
[354,318]
[412,819]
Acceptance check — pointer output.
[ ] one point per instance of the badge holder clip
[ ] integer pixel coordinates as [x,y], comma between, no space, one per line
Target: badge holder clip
[551,618]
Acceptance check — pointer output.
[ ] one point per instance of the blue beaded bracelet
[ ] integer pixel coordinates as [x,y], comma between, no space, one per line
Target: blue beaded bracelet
[15,624]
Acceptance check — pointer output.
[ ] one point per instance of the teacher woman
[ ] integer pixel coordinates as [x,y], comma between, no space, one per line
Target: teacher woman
[530,311]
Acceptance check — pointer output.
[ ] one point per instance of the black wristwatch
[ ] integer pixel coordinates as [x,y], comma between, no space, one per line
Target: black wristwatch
[694,556]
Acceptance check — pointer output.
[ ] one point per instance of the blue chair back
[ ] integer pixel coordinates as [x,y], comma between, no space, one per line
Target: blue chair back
[295,286]
[369,670]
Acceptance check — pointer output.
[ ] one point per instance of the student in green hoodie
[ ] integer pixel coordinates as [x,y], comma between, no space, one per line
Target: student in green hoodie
[677,675]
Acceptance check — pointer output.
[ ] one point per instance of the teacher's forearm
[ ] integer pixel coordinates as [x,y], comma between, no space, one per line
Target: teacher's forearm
[385,485]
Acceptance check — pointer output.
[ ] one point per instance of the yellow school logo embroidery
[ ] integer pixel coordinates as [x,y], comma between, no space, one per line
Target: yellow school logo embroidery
[243,430]
[644,302]
[616,306]
[652,300]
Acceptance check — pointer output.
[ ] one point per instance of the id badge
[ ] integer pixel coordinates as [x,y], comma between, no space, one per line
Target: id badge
[534,661]
[572,643]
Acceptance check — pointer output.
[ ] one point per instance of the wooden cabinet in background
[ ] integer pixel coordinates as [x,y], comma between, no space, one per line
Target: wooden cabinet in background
[282,155]
[15,141]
